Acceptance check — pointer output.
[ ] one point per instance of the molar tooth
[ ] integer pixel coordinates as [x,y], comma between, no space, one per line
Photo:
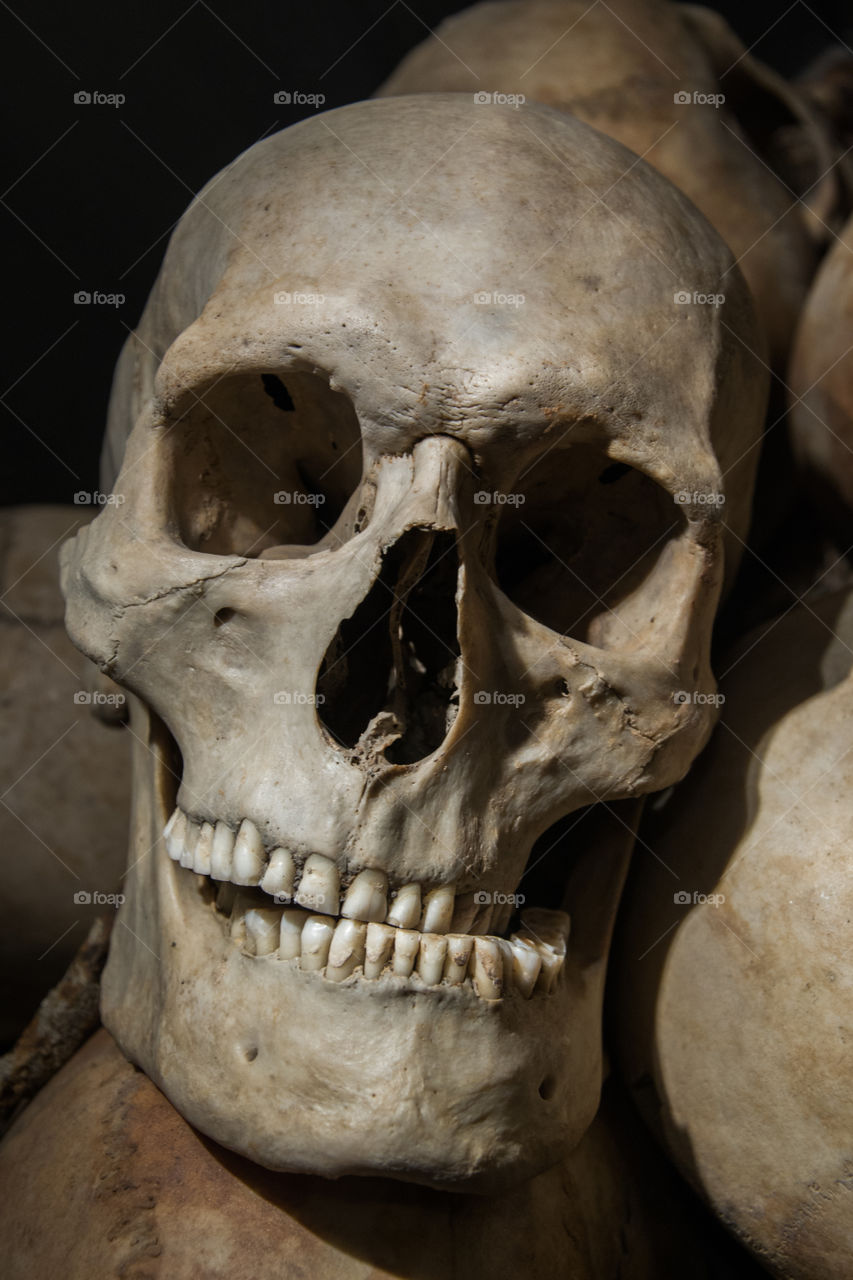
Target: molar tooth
[317,935]
[203,849]
[431,957]
[550,927]
[459,948]
[438,909]
[220,857]
[406,945]
[290,938]
[248,860]
[367,897]
[320,886]
[526,964]
[175,833]
[279,876]
[550,971]
[262,931]
[347,950]
[487,968]
[378,948]
[406,908]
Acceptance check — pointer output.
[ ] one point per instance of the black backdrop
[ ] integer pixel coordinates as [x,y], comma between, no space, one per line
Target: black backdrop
[92,190]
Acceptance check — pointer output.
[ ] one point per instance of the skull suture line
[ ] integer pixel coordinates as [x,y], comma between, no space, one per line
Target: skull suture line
[401,391]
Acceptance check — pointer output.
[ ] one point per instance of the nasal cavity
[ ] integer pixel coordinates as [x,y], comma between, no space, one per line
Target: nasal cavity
[388,681]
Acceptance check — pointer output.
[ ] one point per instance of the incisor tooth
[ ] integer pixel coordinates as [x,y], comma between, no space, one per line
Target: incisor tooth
[459,948]
[316,939]
[320,886]
[406,908]
[203,849]
[431,956]
[262,931]
[290,938]
[550,927]
[175,834]
[378,947]
[488,968]
[367,897]
[406,945]
[248,859]
[220,857]
[347,950]
[279,876]
[438,909]
[526,963]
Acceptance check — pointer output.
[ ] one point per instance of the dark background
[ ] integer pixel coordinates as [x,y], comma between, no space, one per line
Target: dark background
[91,192]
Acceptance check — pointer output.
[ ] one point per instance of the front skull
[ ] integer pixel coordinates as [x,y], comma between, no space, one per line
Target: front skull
[416,549]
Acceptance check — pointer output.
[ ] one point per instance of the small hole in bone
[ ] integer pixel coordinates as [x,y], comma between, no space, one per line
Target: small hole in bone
[547,1088]
[251,1052]
[222,616]
[278,392]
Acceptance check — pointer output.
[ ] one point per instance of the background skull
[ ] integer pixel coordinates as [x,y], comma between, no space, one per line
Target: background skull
[419,554]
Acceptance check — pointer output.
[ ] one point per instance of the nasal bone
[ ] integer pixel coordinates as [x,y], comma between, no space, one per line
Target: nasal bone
[443,472]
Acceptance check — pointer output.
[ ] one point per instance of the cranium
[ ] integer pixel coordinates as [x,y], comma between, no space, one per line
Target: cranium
[392,694]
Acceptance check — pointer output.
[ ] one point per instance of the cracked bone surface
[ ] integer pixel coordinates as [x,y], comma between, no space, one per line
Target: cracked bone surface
[421,544]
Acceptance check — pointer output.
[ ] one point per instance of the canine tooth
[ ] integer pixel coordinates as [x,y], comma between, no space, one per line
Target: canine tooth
[406,908]
[526,964]
[262,931]
[459,948]
[367,897]
[243,902]
[225,897]
[248,861]
[378,948]
[175,834]
[280,874]
[290,938]
[431,957]
[220,857]
[320,886]
[488,968]
[317,933]
[203,849]
[438,909]
[550,927]
[406,945]
[347,950]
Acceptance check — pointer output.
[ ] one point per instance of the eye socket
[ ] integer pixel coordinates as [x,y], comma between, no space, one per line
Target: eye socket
[585,546]
[262,461]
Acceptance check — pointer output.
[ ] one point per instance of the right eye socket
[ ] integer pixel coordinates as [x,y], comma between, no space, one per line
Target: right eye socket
[262,460]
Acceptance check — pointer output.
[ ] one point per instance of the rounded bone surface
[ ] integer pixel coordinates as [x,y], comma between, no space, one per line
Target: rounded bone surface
[419,544]
[733,956]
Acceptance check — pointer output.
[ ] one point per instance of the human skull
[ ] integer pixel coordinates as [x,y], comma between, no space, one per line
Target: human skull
[460,328]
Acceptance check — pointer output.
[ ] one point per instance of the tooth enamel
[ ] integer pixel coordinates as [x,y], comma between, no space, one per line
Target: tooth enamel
[487,968]
[431,956]
[248,860]
[378,948]
[175,834]
[190,838]
[406,908]
[459,948]
[317,933]
[550,971]
[203,849]
[220,857]
[320,886]
[347,950]
[262,931]
[279,876]
[225,897]
[438,909]
[367,897]
[550,927]
[406,945]
[290,937]
[526,964]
